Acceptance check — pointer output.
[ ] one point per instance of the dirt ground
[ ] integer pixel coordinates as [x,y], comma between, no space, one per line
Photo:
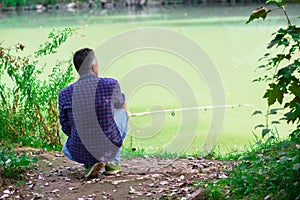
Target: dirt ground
[56,177]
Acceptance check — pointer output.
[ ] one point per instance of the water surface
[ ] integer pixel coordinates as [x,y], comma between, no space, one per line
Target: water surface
[233,47]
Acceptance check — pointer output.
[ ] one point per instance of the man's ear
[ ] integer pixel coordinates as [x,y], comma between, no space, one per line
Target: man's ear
[95,68]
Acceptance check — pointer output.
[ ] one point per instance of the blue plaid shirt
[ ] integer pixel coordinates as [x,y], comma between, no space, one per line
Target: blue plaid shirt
[108,89]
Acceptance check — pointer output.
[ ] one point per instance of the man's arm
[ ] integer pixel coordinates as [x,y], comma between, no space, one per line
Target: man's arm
[63,117]
[118,97]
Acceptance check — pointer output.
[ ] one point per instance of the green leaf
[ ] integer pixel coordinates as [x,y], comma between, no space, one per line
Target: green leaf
[294,113]
[265,132]
[278,3]
[261,66]
[275,122]
[251,158]
[261,12]
[273,111]
[279,36]
[295,88]
[257,112]
[273,94]
[259,126]
[34,159]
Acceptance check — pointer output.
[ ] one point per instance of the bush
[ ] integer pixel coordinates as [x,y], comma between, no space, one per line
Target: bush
[29,110]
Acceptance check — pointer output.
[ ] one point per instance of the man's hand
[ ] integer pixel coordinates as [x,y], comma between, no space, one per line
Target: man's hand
[125,108]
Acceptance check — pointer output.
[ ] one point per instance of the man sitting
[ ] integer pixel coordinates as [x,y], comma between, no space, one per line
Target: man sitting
[93,116]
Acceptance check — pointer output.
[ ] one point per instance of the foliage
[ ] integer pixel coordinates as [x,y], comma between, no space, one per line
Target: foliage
[28,112]
[12,165]
[268,170]
[281,71]
[138,152]
[57,37]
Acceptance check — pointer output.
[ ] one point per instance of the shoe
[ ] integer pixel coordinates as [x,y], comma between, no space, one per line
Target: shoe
[112,169]
[92,171]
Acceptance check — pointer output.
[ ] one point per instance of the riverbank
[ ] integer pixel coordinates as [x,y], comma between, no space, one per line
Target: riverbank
[269,170]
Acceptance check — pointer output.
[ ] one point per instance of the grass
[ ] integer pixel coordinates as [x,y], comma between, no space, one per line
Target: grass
[131,153]
[265,170]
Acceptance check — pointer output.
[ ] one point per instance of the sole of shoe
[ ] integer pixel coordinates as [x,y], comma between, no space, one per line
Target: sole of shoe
[94,172]
[114,172]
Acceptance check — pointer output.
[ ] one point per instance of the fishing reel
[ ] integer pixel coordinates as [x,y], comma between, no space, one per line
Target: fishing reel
[173,113]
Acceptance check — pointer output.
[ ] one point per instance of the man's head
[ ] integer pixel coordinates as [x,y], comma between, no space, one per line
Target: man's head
[85,61]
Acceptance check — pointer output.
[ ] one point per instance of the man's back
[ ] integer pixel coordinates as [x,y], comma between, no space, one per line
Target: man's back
[106,96]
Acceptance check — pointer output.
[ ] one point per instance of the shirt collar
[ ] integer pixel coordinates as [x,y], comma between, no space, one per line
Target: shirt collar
[84,76]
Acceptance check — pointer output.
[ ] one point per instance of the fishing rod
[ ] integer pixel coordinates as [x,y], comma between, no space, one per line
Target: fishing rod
[189,108]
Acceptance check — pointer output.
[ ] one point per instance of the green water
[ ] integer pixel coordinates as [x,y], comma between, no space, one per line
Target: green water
[232,46]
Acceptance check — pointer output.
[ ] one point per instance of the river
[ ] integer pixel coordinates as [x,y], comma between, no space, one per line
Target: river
[163,76]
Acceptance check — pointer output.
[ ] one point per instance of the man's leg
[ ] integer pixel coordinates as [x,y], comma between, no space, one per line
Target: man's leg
[68,155]
[91,171]
[121,118]
[66,152]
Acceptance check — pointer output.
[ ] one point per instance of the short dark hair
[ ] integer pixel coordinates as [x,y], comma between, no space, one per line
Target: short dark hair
[83,56]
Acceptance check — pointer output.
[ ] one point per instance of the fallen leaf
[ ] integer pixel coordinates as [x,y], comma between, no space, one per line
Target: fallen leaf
[40,177]
[29,183]
[222,176]
[7,192]
[268,197]
[296,166]
[131,191]
[4,196]
[119,181]
[151,184]
[182,184]
[160,190]
[72,188]
[164,183]
[181,177]
[55,191]
[67,179]
[37,196]
[155,175]
[148,194]
[92,195]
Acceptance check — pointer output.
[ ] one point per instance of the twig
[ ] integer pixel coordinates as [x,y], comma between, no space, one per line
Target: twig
[288,19]
[198,194]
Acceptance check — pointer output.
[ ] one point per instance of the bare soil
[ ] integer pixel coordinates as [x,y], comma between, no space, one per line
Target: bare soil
[56,177]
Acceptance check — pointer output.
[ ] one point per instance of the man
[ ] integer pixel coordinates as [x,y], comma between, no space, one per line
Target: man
[93,116]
